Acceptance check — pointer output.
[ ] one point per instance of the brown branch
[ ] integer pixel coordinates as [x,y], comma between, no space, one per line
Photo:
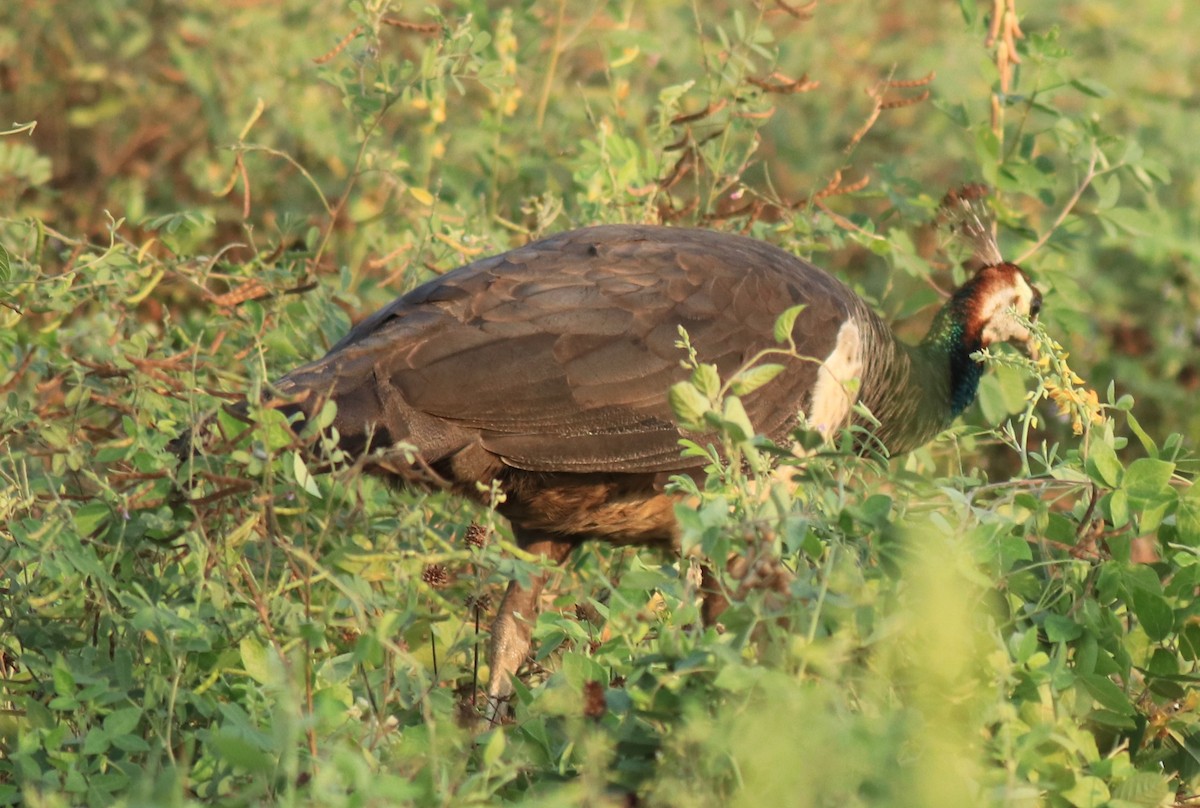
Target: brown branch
[879,94]
[904,102]
[1003,34]
[12,382]
[241,167]
[339,47]
[247,291]
[844,223]
[683,166]
[908,84]
[833,188]
[711,109]
[414,27]
[779,83]
[804,12]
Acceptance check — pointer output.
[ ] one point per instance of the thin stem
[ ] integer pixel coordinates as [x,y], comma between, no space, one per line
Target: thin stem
[1088,176]
[433,650]
[811,635]
[475,666]
[555,52]
[1026,422]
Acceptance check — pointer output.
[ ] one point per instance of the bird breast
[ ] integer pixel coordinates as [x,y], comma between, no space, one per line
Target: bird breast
[836,387]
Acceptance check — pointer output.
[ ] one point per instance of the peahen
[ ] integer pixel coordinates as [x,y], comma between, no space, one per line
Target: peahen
[545,370]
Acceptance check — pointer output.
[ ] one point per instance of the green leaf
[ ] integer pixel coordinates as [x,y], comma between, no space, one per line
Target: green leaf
[274,430]
[5,266]
[875,511]
[230,424]
[1061,629]
[1106,693]
[96,742]
[1187,517]
[64,680]
[326,416]
[254,660]
[1144,788]
[1023,645]
[735,416]
[130,743]
[785,322]
[1147,442]
[580,669]
[1013,548]
[707,381]
[1154,513]
[304,476]
[1118,507]
[1102,464]
[1091,87]
[991,400]
[534,730]
[493,750]
[688,404]
[91,517]
[122,722]
[1189,642]
[753,378]
[1154,613]
[1087,792]
[1108,191]
[1148,480]
[1131,220]
[739,678]
[240,752]
[668,96]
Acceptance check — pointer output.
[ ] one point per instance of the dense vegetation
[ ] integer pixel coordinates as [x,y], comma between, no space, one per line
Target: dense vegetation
[214,190]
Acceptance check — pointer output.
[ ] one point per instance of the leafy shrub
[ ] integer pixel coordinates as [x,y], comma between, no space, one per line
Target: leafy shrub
[214,190]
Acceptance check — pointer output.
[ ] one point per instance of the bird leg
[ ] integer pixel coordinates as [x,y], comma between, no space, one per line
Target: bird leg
[512,630]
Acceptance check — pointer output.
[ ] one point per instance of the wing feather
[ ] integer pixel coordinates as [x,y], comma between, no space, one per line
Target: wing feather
[558,356]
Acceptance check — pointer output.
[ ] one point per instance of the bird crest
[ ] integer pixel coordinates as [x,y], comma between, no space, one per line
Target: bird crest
[966,216]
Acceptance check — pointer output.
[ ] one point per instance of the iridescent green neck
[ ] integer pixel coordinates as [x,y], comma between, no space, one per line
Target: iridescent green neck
[947,346]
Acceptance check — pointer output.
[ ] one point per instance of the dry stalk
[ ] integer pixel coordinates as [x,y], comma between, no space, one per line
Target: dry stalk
[1003,33]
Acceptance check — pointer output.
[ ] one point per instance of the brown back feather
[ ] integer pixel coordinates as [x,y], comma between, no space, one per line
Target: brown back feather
[557,356]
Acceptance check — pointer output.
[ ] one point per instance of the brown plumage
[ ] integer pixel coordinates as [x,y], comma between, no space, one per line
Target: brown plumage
[556,357]
[545,370]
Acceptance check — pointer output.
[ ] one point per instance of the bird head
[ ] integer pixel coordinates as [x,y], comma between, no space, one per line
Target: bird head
[997,303]
[999,299]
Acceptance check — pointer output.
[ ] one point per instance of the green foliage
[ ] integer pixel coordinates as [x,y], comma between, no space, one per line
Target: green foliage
[213,190]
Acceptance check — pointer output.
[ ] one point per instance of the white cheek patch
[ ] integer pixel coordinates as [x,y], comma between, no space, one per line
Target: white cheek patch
[833,395]
[1001,325]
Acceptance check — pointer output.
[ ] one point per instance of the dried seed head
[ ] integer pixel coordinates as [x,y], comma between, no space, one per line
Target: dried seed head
[436,576]
[476,536]
[587,613]
[481,602]
[965,214]
[594,705]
